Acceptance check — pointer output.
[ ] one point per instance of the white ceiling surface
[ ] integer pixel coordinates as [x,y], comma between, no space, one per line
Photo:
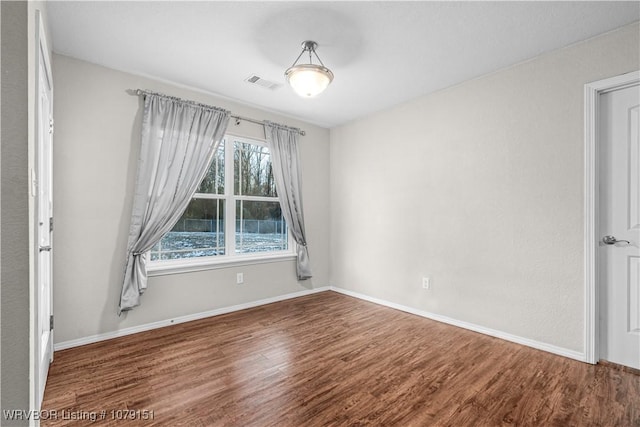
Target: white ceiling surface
[382,53]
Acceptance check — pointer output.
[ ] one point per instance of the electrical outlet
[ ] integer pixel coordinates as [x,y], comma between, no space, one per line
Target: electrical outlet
[426,283]
[239,278]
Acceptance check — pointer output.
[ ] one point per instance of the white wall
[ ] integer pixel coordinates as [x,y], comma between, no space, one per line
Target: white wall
[96,150]
[479,186]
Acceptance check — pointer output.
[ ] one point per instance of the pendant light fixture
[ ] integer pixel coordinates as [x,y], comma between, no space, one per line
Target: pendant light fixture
[309,80]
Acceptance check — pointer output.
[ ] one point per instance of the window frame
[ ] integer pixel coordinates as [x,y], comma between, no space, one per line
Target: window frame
[230,257]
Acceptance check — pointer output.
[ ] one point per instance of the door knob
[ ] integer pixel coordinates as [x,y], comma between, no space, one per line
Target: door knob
[45,248]
[610,240]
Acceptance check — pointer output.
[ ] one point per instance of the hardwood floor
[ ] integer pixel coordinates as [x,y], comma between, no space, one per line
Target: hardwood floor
[331,360]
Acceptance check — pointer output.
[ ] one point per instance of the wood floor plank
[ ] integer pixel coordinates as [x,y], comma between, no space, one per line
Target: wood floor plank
[331,360]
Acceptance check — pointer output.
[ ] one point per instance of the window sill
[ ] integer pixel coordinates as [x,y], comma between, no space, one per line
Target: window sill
[191,265]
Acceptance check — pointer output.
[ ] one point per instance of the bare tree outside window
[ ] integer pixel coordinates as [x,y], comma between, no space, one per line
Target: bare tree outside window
[257,225]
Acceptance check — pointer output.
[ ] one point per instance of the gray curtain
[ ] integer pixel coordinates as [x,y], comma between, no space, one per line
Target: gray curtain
[179,140]
[283,145]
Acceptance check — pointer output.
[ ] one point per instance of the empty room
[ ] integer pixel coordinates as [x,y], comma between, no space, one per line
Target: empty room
[379,213]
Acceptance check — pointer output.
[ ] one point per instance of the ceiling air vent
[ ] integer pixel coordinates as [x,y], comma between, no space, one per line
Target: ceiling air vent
[259,81]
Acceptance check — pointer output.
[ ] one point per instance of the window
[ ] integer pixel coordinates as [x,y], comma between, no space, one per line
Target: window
[234,212]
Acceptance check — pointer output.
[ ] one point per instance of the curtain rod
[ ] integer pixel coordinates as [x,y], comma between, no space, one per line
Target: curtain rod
[233,116]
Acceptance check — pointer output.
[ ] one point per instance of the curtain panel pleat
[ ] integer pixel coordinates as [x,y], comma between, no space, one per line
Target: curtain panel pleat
[283,146]
[178,142]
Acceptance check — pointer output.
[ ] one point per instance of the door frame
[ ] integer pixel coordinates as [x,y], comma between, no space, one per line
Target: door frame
[592,92]
[41,51]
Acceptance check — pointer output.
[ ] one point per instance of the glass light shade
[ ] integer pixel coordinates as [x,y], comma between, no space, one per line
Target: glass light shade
[308,80]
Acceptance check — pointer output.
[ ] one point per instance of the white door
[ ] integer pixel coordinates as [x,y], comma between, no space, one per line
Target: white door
[619,226]
[44,212]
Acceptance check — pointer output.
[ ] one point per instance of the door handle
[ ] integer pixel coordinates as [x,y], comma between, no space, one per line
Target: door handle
[610,240]
[44,248]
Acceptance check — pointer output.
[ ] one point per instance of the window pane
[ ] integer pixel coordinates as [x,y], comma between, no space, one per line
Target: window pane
[260,227]
[213,182]
[199,232]
[253,174]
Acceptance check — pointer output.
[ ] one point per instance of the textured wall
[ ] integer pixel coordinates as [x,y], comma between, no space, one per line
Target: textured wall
[95,155]
[479,186]
[14,210]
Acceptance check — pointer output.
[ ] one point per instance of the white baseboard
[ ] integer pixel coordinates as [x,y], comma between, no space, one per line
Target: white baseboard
[224,310]
[572,354]
[174,321]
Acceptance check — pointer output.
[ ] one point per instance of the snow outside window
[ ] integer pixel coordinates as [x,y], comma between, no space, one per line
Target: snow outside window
[234,212]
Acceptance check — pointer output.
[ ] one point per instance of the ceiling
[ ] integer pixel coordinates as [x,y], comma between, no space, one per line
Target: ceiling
[382,53]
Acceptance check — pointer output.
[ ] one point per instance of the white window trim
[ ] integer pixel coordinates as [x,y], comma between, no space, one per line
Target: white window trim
[186,265]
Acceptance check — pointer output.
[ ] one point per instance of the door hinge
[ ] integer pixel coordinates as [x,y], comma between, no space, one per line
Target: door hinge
[50,224]
[51,126]
[51,322]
